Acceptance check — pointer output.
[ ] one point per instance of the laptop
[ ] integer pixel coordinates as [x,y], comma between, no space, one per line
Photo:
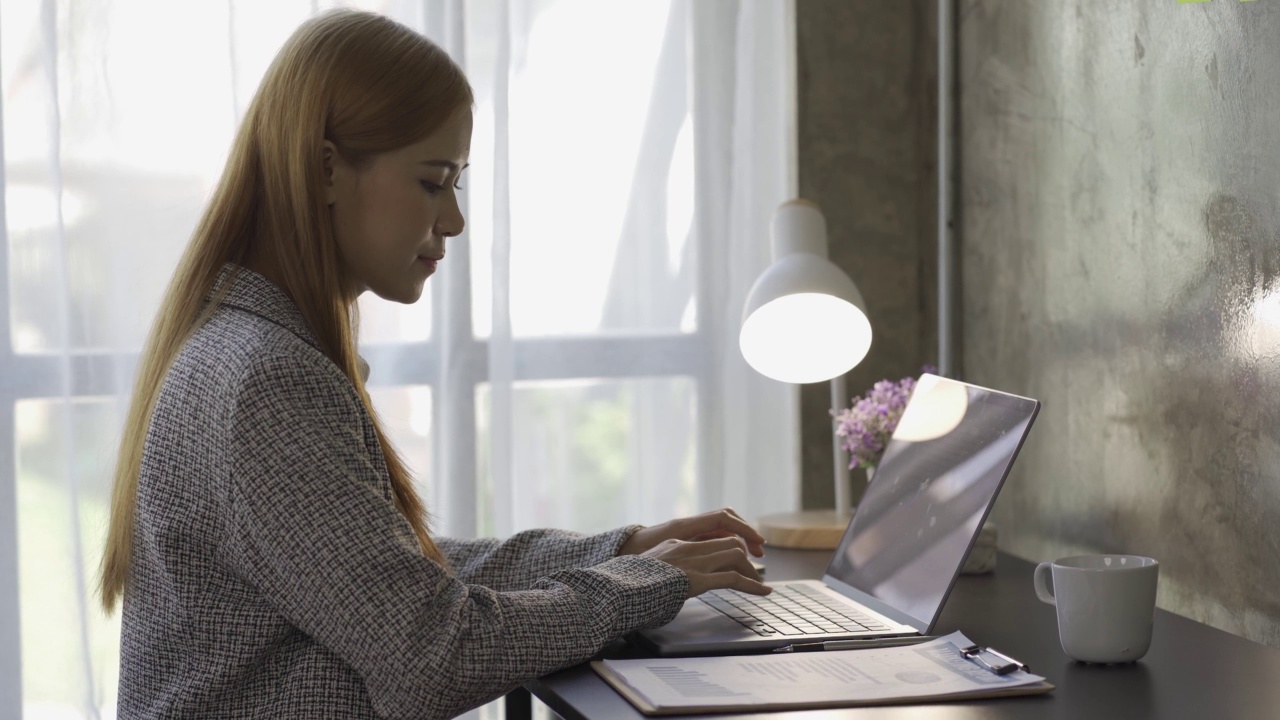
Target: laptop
[905,544]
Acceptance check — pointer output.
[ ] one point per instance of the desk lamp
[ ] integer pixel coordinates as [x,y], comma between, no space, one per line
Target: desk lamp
[804,322]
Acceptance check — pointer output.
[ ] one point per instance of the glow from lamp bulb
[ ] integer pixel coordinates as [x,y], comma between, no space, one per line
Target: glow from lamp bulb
[805,338]
[936,408]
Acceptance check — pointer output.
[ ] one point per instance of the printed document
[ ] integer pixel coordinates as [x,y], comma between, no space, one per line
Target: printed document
[932,670]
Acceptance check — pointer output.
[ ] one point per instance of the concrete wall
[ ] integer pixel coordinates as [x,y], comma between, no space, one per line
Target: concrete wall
[867,137]
[1120,200]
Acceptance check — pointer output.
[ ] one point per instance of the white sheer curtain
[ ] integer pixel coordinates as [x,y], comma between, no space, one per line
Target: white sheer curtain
[575,363]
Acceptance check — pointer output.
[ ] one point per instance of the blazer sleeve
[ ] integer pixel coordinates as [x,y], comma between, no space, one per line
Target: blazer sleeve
[314,532]
[516,563]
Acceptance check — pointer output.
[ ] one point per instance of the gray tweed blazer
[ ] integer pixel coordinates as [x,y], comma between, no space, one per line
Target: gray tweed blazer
[272,577]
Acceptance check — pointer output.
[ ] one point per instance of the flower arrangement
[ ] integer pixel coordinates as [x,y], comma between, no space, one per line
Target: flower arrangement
[865,428]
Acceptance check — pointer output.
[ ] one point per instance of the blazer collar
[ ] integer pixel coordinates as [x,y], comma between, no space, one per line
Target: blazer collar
[254,293]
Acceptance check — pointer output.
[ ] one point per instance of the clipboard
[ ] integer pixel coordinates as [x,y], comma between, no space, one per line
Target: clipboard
[990,660]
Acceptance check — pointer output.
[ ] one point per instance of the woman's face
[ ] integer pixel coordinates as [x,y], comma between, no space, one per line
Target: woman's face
[390,218]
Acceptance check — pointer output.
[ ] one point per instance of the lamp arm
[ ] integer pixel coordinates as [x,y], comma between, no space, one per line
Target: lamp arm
[843,504]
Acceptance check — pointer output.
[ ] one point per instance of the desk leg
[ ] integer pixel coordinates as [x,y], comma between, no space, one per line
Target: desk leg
[518,705]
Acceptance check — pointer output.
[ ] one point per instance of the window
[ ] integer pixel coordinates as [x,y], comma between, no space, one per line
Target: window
[567,367]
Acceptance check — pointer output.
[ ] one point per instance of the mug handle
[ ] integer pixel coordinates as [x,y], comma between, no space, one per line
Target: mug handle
[1042,588]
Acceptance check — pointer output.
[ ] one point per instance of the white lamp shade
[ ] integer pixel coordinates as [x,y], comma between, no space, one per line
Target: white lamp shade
[804,321]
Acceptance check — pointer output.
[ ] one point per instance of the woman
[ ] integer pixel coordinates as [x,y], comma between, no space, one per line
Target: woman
[273,558]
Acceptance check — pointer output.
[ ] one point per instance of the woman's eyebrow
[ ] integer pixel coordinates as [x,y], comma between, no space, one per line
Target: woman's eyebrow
[453,166]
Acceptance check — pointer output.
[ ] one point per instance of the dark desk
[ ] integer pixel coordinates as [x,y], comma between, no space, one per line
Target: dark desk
[1192,670]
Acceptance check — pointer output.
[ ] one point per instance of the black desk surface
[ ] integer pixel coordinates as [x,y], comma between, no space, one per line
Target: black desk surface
[1191,671]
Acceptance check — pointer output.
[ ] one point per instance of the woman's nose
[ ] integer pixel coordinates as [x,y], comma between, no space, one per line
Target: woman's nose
[451,223]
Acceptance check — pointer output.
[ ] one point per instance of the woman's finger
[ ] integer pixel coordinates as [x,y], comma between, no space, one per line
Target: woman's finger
[734,560]
[715,545]
[726,521]
[715,534]
[723,519]
[739,582]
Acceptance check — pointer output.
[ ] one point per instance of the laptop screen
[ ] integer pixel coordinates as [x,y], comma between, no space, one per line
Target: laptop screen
[934,485]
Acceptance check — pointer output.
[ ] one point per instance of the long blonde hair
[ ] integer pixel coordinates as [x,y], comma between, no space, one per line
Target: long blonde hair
[363,82]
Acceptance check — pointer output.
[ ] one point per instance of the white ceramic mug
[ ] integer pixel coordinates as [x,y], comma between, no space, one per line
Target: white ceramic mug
[1105,605]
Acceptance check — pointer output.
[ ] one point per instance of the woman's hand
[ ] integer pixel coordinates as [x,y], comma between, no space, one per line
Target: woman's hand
[711,549]
[708,526]
[711,564]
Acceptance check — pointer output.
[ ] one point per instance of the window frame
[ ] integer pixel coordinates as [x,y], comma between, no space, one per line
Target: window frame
[695,355]
[10,388]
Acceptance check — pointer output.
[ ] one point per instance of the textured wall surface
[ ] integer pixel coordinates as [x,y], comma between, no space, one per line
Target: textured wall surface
[867,110]
[1120,200]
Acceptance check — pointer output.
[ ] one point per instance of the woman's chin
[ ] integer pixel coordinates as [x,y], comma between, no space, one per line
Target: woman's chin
[406,294]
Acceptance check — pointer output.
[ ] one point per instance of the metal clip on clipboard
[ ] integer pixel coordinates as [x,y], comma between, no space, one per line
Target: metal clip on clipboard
[974,654]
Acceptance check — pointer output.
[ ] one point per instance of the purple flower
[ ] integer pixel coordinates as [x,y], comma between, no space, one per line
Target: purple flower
[865,428]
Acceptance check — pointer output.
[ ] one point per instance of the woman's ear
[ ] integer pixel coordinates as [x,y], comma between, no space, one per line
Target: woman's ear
[331,164]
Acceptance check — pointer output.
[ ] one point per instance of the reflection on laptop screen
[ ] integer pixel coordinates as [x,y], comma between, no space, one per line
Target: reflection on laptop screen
[933,487]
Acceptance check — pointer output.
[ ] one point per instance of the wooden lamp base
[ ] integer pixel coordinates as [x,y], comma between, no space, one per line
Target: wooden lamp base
[804,529]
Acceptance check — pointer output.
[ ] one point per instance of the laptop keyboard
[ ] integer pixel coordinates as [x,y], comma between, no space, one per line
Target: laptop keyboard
[790,610]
